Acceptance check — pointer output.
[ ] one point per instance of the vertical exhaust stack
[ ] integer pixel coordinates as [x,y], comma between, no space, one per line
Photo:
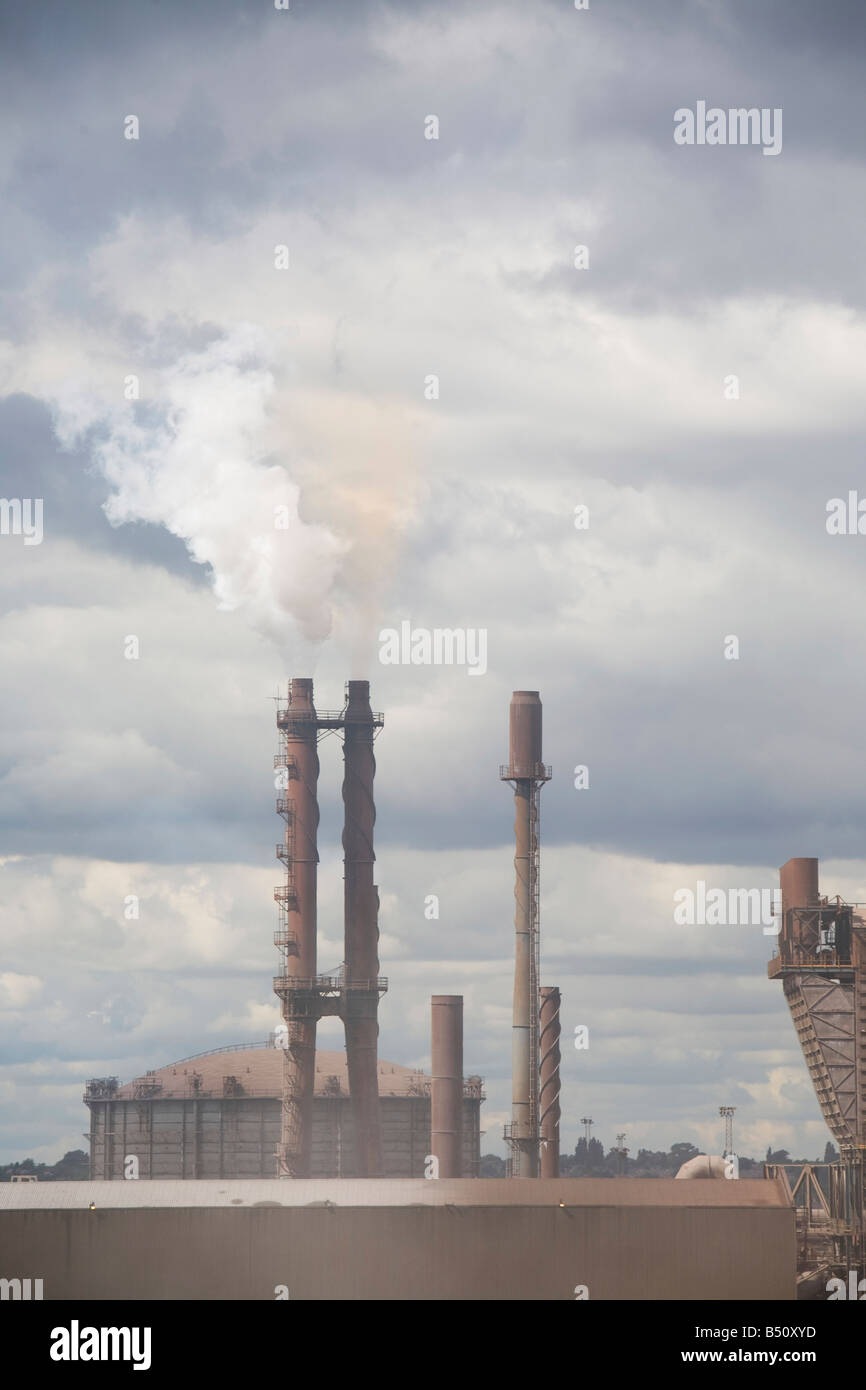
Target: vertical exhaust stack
[446,1092]
[549,1099]
[527,773]
[297,932]
[361,928]
[351,994]
[798,880]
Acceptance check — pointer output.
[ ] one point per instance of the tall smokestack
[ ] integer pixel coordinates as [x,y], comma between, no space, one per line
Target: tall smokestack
[297,898]
[361,927]
[549,1098]
[446,1092]
[526,771]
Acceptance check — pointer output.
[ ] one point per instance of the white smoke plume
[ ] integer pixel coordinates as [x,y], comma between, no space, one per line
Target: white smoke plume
[200,469]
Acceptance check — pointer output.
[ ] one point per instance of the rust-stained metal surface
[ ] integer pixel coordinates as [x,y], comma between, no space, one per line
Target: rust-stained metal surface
[446,1114]
[549,1094]
[621,1239]
[820,957]
[798,880]
[524,733]
[259,1072]
[352,992]
[298,728]
[219,1117]
[361,925]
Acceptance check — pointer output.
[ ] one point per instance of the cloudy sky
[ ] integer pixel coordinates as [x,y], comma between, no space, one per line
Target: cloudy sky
[237,315]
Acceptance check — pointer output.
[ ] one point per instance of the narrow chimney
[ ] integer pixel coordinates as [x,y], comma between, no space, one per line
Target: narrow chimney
[300,807]
[446,1092]
[549,1097]
[361,926]
[526,771]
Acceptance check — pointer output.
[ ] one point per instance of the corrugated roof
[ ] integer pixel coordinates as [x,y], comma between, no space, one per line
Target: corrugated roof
[259,1071]
[393,1192]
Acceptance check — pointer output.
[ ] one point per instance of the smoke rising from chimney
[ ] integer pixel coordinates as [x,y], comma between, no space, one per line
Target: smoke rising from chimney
[197,464]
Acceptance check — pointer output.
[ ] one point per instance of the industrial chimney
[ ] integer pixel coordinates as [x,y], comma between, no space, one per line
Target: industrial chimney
[361,927]
[296,934]
[351,994]
[527,773]
[446,1089]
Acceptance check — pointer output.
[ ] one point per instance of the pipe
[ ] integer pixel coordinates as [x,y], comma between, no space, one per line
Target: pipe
[549,1093]
[299,1060]
[361,928]
[703,1166]
[446,1091]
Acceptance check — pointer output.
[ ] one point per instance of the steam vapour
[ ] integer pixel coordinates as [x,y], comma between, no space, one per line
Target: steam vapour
[200,471]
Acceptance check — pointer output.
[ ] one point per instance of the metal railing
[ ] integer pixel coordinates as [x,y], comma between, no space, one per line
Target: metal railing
[533,772]
[327,718]
[328,984]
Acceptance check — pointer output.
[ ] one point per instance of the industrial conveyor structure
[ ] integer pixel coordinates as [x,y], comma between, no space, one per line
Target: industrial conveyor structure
[821,960]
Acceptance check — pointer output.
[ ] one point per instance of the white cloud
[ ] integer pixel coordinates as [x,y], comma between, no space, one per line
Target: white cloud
[18,991]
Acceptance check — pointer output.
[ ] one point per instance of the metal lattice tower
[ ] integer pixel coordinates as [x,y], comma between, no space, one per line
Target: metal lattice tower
[727,1114]
[622,1154]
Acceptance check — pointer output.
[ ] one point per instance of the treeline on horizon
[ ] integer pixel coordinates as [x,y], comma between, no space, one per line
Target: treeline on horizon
[74,1166]
[592,1162]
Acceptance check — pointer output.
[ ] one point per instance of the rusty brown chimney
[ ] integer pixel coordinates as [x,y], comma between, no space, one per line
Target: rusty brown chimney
[297,926]
[446,1091]
[798,880]
[549,1096]
[361,918]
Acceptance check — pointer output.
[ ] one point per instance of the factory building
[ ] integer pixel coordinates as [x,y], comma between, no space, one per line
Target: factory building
[369,1238]
[217,1134]
[218,1115]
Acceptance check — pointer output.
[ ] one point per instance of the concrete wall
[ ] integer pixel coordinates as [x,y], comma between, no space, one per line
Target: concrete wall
[404,1252]
[211,1137]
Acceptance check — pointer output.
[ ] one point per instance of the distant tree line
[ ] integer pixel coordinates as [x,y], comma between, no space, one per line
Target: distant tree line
[74,1166]
[586,1162]
[591,1161]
